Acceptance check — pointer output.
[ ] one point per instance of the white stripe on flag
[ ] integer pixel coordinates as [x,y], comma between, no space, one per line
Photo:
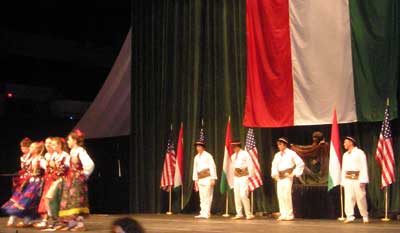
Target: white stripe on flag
[321,61]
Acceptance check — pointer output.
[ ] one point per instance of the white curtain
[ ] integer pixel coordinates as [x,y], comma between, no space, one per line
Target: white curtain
[109,114]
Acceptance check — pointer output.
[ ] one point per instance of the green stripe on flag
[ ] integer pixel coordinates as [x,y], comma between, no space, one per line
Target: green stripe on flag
[375,52]
[224,183]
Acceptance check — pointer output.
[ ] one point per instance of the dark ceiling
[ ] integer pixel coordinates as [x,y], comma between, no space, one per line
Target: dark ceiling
[68,45]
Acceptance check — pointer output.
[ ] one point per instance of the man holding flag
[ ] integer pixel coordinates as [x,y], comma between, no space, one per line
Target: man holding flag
[354,180]
[242,170]
[204,176]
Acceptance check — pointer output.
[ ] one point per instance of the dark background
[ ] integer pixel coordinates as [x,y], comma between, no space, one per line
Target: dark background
[67,48]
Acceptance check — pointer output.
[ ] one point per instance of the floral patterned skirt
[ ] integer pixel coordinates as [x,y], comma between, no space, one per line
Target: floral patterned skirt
[74,198]
[25,203]
[43,202]
[54,196]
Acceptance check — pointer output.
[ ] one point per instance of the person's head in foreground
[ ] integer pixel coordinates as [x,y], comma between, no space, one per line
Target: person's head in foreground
[349,143]
[282,143]
[126,225]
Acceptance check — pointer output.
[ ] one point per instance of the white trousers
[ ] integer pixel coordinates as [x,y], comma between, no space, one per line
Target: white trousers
[353,194]
[206,197]
[241,191]
[284,193]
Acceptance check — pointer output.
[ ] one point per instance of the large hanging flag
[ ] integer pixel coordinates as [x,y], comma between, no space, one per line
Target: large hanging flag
[178,181]
[303,60]
[227,174]
[168,172]
[335,157]
[384,152]
[256,180]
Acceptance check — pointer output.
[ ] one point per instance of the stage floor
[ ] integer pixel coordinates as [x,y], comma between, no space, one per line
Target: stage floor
[186,223]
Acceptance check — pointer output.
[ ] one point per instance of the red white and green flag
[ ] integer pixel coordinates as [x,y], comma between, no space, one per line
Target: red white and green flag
[178,180]
[227,174]
[335,157]
[303,57]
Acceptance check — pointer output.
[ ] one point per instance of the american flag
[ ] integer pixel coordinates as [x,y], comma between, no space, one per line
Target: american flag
[384,152]
[202,137]
[168,172]
[256,180]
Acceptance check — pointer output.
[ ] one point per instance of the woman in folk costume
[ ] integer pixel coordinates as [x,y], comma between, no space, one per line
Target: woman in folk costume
[74,203]
[55,172]
[47,180]
[53,195]
[24,203]
[24,161]
[22,174]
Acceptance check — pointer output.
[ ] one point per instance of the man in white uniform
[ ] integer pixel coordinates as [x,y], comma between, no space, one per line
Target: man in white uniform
[204,176]
[242,170]
[354,180]
[285,166]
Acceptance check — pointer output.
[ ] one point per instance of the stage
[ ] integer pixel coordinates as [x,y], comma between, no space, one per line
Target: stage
[186,223]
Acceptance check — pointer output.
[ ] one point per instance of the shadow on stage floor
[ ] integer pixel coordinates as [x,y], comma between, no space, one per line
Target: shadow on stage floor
[186,223]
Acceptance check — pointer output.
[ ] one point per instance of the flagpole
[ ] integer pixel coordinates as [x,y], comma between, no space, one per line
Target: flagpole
[252,203]
[386,219]
[182,197]
[226,206]
[341,204]
[170,201]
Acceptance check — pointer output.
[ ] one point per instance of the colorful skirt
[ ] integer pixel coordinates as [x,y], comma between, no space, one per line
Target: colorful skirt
[48,181]
[54,197]
[25,203]
[74,198]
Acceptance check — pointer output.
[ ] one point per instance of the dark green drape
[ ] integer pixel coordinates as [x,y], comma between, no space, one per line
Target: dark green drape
[188,64]
[375,32]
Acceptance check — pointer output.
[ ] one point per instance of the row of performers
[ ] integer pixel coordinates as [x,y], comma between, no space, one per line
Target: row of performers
[51,184]
[285,166]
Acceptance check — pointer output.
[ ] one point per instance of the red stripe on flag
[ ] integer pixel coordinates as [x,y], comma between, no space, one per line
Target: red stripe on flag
[269,94]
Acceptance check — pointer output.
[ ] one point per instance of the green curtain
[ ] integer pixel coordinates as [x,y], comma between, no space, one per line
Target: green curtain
[188,64]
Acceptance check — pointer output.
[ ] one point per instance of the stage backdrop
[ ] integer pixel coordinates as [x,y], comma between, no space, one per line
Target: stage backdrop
[189,63]
[110,113]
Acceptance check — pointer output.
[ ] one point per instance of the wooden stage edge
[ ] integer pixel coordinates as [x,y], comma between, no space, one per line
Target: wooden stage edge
[186,223]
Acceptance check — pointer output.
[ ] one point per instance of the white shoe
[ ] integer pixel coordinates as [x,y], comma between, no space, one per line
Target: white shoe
[281,218]
[289,218]
[237,217]
[365,220]
[349,220]
[250,217]
[202,217]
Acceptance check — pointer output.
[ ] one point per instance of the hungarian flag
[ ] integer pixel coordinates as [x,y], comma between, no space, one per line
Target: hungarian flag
[335,157]
[168,172]
[178,181]
[227,174]
[384,152]
[305,56]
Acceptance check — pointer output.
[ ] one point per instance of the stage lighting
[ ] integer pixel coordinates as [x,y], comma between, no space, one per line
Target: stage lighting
[10,95]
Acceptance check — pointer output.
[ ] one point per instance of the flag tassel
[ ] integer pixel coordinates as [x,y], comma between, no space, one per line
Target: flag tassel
[341,205]
[226,206]
[169,201]
[386,219]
